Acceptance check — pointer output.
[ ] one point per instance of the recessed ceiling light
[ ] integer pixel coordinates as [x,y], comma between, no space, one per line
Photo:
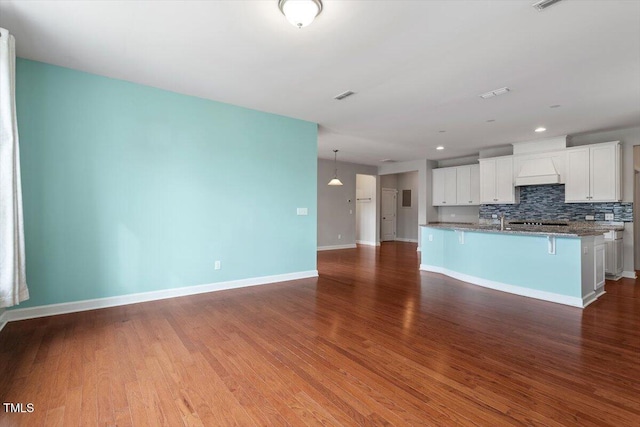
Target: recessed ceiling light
[491,120]
[439,147]
[555,106]
[540,129]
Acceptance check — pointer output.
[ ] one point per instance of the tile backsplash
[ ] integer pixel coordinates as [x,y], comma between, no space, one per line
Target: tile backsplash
[546,202]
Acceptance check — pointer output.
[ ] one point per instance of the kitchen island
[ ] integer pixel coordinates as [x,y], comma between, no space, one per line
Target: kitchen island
[565,266]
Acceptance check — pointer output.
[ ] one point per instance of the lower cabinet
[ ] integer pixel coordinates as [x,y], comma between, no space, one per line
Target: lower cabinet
[614,257]
[599,263]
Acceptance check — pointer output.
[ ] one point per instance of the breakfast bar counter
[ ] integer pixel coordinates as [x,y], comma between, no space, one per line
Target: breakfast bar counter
[565,266]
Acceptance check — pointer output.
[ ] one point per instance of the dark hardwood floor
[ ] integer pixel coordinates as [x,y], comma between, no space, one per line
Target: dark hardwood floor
[372,341]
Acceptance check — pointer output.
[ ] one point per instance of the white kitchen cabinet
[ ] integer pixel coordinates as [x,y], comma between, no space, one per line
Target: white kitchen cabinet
[456,186]
[614,253]
[444,187]
[599,267]
[496,181]
[468,185]
[593,173]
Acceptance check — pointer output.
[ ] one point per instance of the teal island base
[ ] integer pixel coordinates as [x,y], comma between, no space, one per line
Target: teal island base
[563,269]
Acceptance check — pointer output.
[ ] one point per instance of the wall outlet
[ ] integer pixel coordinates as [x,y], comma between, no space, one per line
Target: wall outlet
[339,236]
[608,217]
[217,265]
[590,218]
[350,211]
[453,215]
[431,237]
[494,216]
[302,211]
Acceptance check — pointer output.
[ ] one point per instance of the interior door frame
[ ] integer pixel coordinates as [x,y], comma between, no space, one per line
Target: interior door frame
[395,214]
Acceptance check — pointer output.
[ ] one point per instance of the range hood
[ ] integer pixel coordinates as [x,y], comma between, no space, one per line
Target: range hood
[539,162]
[538,171]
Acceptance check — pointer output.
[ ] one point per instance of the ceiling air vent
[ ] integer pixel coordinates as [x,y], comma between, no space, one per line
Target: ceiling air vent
[495,92]
[387,161]
[344,95]
[543,4]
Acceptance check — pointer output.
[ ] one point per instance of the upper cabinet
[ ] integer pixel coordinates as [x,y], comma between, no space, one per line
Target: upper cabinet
[456,186]
[496,181]
[468,185]
[593,173]
[444,187]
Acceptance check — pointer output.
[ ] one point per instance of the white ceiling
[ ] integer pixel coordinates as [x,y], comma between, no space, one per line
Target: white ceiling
[417,66]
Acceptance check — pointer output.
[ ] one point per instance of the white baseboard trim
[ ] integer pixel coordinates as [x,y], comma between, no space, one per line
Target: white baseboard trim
[332,248]
[367,243]
[402,239]
[629,274]
[93,304]
[512,289]
[591,297]
[3,319]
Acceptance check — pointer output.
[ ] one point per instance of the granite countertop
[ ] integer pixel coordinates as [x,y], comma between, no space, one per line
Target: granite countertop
[577,229]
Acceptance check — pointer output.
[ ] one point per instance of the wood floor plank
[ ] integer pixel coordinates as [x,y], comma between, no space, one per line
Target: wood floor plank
[72,407]
[371,341]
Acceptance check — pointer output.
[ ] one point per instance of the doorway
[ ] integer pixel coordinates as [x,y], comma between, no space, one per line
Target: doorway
[636,211]
[366,204]
[389,214]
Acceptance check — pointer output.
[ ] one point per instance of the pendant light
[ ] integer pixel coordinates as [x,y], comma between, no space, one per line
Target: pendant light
[300,13]
[335,180]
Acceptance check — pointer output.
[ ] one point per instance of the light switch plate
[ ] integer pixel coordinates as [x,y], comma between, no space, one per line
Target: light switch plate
[608,217]
[589,218]
[303,211]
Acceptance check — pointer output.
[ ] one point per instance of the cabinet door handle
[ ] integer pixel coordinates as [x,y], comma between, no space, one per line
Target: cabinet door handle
[444,202]
[470,201]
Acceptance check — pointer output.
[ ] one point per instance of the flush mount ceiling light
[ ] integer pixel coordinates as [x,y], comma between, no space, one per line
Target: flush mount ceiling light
[439,147]
[540,129]
[300,12]
[543,4]
[335,180]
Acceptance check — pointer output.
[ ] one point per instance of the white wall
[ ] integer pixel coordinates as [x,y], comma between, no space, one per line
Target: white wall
[366,201]
[337,204]
[389,181]
[458,214]
[407,225]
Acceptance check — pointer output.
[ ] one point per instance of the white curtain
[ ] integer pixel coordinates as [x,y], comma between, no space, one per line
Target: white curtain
[13,282]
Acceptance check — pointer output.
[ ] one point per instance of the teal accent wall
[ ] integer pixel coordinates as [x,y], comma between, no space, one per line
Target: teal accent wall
[128,188]
[519,260]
